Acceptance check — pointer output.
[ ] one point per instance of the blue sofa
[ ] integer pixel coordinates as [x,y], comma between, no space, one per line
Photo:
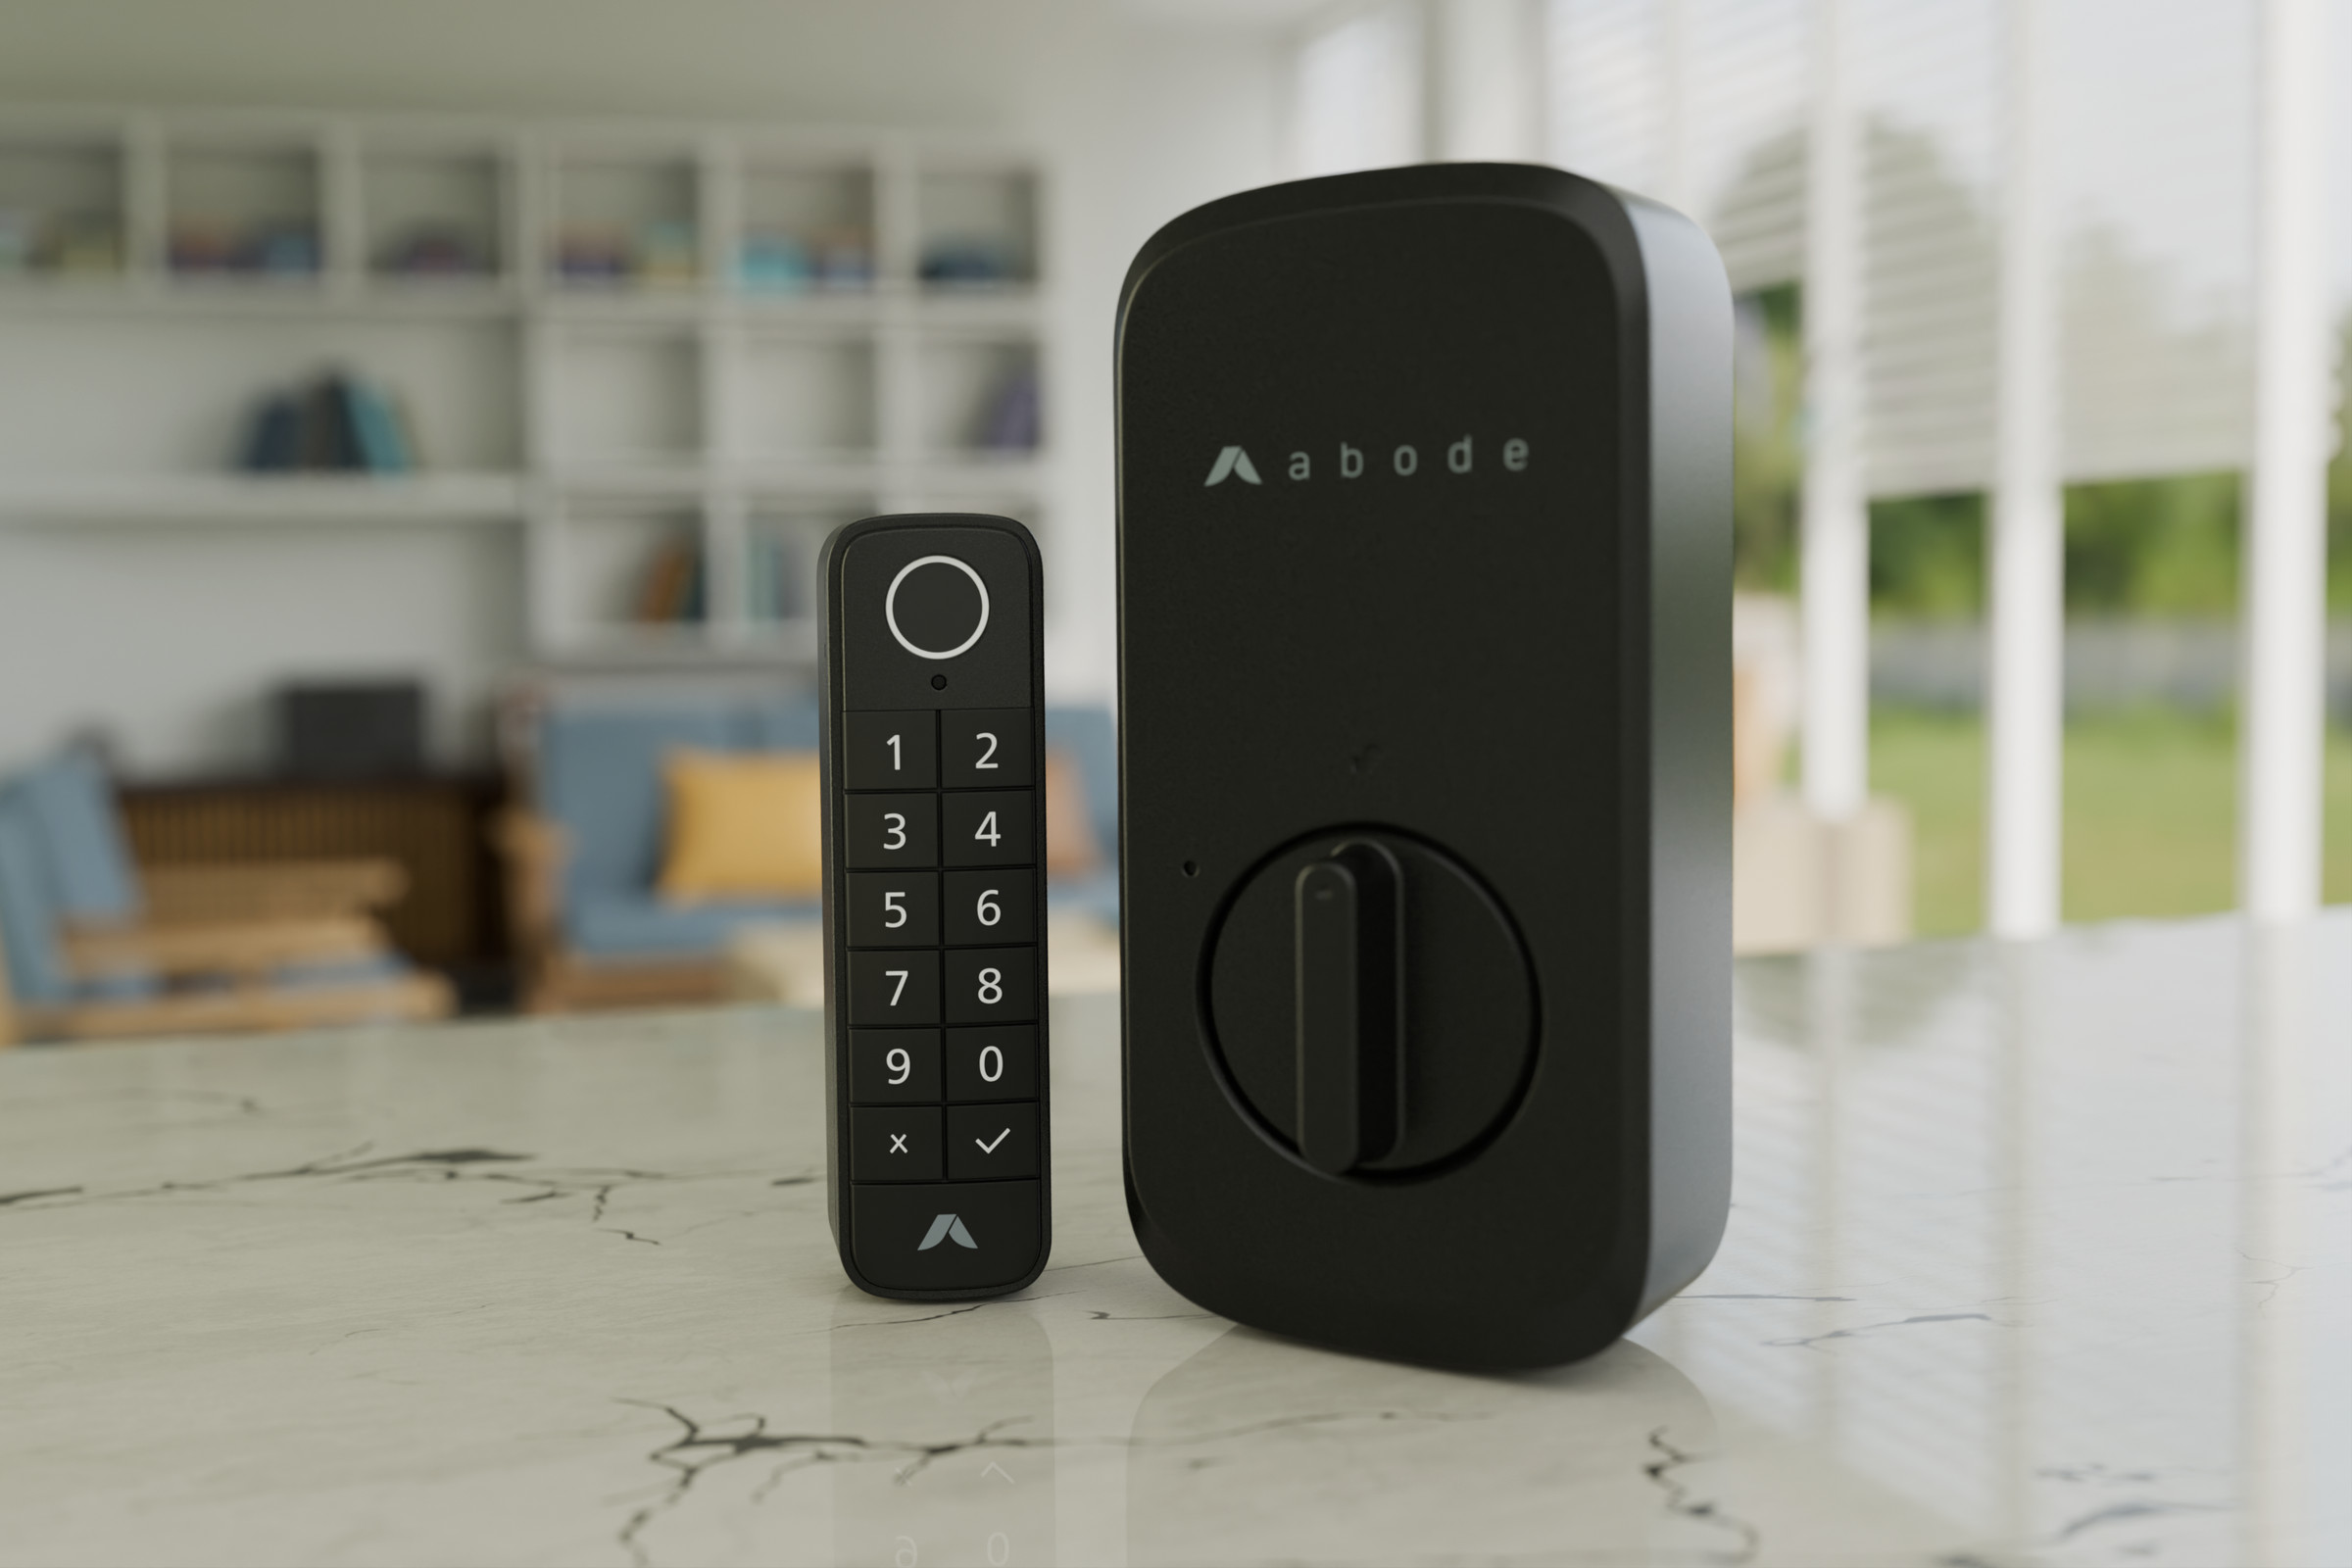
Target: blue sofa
[590,928]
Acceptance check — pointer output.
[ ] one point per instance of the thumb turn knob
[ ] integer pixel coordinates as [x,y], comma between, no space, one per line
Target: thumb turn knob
[1349,923]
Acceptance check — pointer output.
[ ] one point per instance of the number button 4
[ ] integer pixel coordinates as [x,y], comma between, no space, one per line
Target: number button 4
[988,829]
[986,746]
[894,909]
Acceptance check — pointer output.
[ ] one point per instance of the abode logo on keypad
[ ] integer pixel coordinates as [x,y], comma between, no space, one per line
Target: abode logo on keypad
[1353,463]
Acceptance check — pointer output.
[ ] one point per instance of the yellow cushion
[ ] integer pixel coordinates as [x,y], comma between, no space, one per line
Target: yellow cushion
[742,825]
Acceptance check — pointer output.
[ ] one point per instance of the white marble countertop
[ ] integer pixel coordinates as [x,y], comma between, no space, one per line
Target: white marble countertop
[2039,1254]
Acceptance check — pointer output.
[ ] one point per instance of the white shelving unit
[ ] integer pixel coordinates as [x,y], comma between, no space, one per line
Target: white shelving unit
[674,354]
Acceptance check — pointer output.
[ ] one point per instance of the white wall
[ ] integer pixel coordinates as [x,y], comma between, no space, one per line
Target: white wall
[168,641]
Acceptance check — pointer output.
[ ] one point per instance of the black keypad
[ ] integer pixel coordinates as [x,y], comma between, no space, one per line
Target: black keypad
[993,829]
[890,750]
[989,1143]
[998,1063]
[894,1144]
[894,1067]
[889,832]
[984,747]
[992,985]
[894,909]
[928,947]
[892,989]
[992,906]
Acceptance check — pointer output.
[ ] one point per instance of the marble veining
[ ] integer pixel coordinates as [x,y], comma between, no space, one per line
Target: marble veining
[2039,1254]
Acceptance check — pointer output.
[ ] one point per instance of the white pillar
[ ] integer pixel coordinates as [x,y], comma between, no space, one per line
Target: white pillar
[1485,71]
[2283,699]
[1835,547]
[2025,715]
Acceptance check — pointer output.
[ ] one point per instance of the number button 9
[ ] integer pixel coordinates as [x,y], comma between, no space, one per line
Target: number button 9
[894,1067]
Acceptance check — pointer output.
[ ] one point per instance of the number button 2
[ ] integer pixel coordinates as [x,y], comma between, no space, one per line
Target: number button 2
[891,751]
[986,746]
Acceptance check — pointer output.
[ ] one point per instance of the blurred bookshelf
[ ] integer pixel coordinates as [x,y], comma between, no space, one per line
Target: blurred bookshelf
[673,354]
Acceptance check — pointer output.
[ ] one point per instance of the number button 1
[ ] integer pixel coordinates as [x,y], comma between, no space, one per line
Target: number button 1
[890,751]
[986,746]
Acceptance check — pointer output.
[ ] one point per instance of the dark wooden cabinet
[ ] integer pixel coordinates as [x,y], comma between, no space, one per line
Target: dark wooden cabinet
[435,827]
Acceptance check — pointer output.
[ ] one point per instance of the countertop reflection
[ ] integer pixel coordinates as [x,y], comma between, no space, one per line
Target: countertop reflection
[2038,1253]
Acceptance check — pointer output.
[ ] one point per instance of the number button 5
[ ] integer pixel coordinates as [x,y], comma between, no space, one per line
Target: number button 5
[894,909]
[991,907]
[986,746]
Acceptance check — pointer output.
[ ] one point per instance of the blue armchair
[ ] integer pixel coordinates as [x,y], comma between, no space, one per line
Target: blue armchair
[92,950]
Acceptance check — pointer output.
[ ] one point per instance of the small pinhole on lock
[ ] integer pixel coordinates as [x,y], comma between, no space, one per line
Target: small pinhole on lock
[938,683]
[1191,868]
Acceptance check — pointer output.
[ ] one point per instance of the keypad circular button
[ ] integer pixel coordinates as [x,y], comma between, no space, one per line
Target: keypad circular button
[937,607]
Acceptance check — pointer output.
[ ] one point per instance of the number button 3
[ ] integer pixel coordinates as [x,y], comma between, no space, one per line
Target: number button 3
[885,832]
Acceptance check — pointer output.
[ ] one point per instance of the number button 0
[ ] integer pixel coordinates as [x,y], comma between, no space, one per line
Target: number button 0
[986,746]
[992,985]
[991,1063]
[894,1067]
[890,751]
[992,906]
[894,909]
[893,989]
[886,832]
[988,829]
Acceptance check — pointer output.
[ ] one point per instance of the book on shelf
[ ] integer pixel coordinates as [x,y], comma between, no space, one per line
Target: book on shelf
[337,424]
[671,590]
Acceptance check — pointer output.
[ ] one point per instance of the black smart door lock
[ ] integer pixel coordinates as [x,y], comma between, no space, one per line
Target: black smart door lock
[1424,667]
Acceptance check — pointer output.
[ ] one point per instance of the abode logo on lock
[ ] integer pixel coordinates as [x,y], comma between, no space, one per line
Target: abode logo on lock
[1405,461]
